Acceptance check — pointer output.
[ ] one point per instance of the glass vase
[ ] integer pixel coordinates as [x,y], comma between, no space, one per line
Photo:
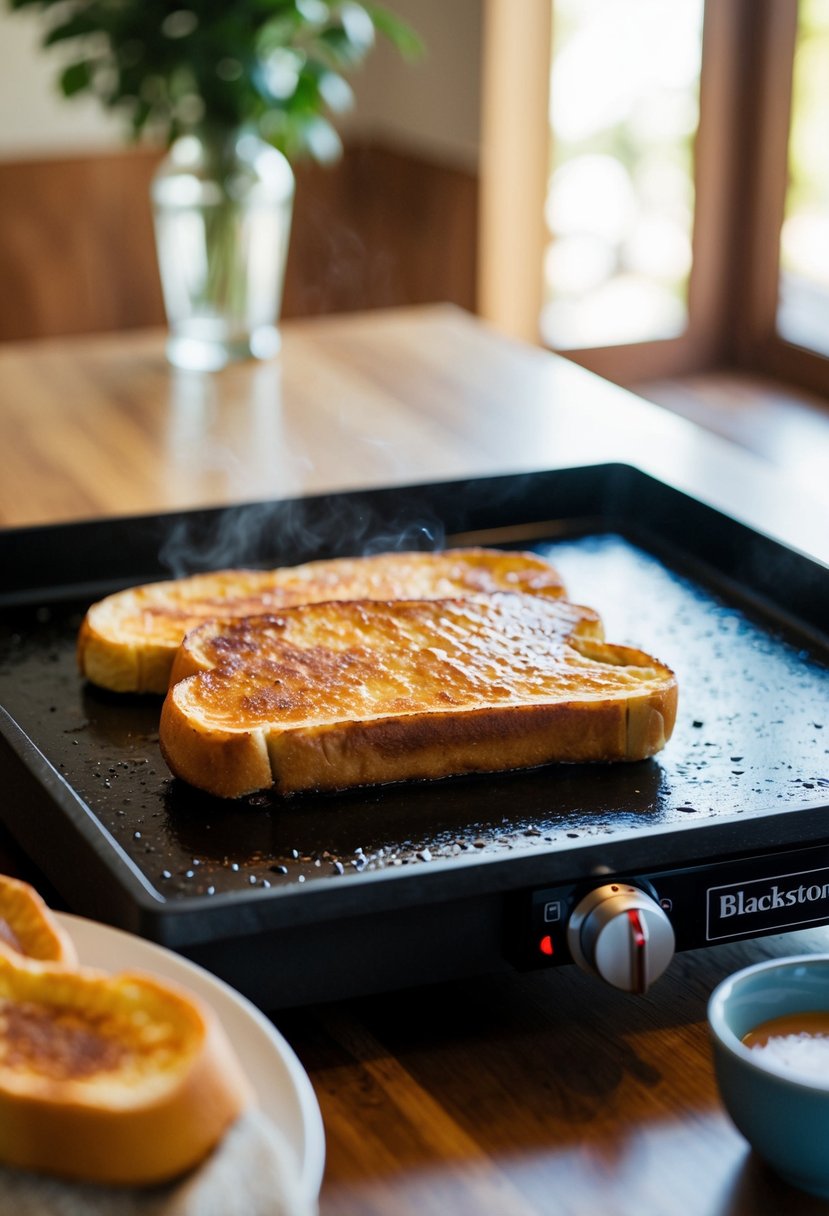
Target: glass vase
[222,205]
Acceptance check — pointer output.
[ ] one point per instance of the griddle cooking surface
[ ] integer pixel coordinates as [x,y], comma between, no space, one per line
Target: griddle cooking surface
[751,739]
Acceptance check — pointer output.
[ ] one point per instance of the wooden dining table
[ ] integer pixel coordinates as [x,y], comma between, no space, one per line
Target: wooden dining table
[542,1093]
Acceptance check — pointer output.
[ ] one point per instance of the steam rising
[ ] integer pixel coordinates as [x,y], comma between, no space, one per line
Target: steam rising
[284,533]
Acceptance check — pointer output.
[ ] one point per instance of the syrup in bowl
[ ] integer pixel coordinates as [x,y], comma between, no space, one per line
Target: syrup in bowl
[796,1041]
[770,1037]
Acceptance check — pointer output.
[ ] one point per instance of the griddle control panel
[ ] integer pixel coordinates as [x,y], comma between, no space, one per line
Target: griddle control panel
[602,923]
[619,933]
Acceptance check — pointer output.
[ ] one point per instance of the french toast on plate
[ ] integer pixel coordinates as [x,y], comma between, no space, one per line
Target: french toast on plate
[28,928]
[120,1079]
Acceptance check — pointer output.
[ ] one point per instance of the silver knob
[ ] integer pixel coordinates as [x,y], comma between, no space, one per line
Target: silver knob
[619,933]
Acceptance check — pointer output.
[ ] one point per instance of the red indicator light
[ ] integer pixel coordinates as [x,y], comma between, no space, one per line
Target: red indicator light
[546,945]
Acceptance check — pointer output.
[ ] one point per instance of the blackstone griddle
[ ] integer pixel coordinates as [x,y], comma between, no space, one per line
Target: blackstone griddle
[315,897]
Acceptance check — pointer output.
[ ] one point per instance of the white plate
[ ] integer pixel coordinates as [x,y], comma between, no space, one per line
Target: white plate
[282,1086]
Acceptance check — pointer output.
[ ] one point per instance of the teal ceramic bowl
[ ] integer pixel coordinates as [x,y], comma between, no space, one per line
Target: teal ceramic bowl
[783,1115]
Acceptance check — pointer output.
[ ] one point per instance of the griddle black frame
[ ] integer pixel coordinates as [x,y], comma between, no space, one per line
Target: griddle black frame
[381,929]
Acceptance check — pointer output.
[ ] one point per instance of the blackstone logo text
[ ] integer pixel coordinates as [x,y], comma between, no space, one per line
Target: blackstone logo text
[767,904]
[738,903]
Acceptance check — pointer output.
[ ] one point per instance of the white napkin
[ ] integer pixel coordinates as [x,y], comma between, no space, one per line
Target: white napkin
[251,1173]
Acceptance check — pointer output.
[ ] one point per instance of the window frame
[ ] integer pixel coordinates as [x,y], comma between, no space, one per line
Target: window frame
[741,167]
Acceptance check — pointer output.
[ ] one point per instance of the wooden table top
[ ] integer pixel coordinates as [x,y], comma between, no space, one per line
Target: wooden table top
[541,1094]
[102,425]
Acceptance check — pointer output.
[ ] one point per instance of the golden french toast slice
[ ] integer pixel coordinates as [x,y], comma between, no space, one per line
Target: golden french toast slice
[249,642]
[128,640]
[120,1079]
[28,928]
[334,695]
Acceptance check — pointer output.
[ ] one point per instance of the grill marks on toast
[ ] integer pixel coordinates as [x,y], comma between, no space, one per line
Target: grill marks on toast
[327,696]
[128,641]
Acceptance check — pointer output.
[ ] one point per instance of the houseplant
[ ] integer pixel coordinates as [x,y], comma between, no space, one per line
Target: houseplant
[238,91]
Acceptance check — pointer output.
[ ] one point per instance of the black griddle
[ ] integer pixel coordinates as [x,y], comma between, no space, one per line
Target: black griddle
[317,896]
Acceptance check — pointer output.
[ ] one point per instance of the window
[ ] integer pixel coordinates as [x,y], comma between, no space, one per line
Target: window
[682,220]
[624,110]
[803,296]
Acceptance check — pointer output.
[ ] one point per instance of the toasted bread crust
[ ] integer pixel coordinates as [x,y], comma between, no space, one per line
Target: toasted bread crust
[343,694]
[27,926]
[127,641]
[110,1079]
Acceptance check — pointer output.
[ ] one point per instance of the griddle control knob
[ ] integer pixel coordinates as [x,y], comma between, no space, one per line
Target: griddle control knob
[619,933]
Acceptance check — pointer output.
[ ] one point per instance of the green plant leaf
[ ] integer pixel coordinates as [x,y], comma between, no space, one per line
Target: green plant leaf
[75,78]
[140,116]
[336,46]
[400,35]
[321,140]
[218,73]
[335,91]
[280,31]
[76,27]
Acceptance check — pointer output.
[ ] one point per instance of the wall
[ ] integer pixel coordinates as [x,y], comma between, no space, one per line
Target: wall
[434,105]
[35,120]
